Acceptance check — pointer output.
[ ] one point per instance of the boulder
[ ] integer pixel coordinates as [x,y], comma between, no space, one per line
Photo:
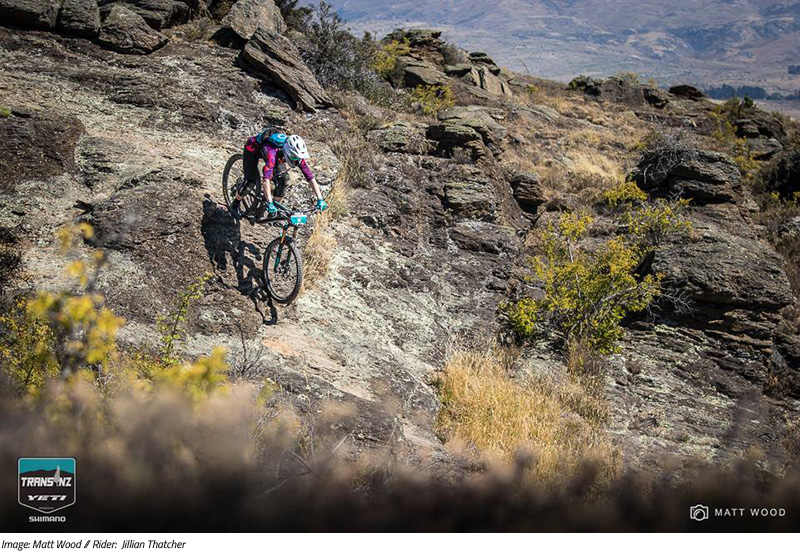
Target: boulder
[493,84]
[655,96]
[621,90]
[478,118]
[449,136]
[704,176]
[470,199]
[275,59]
[528,191]
[40,14]
[458,70]
[127,32]
[687,91]
[484,237]
[246,16]
[586,85]
[79,17]
[760,124]
[401,137]
[735,283]
[158,14]
[420,73]
[538,112]
[481,58]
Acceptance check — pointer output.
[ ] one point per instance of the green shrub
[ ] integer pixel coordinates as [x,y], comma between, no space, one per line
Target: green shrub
[432,98]
[296,19]
[624,194]
[337,58]
[27,347]
[724,118]
[4,112]
[588,293]
[72,334]
[650,223]
[171,327]
[385,62]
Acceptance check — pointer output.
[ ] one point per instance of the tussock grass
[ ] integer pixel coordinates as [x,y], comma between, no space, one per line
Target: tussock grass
[557,420]
[318,250]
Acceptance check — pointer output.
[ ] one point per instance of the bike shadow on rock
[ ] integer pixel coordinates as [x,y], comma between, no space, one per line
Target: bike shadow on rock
[223,241]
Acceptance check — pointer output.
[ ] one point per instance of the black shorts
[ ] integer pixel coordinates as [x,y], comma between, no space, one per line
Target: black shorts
[280,179]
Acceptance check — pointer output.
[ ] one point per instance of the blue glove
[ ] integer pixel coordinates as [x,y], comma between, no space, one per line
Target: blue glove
[322,206]
[272,209]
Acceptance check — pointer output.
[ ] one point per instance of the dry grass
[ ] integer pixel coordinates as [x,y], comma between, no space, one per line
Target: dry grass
[557,420]
[318,250]
[584,181]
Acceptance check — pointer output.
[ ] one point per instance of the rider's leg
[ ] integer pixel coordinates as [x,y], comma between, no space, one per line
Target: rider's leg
[281,183]
[250,164]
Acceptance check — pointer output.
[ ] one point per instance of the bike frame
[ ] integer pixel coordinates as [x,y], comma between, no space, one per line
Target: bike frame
[286,215]
[286,227]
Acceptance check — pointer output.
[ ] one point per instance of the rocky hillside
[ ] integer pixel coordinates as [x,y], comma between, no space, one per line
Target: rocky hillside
[123,115]
[748,42]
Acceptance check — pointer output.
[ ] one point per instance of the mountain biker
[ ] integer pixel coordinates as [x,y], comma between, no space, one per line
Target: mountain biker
[279,152]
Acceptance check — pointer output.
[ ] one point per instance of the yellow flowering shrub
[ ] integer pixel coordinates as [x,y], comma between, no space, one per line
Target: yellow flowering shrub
[432,98]
[588,293]
[385,62]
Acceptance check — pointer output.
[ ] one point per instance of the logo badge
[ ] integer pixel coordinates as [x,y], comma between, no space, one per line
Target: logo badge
[46,485]
[698,513]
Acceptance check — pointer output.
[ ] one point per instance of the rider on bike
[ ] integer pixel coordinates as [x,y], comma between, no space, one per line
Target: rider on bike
[279,152]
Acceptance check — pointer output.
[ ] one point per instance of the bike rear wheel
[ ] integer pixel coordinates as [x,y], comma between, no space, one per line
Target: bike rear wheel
[233,182]
[283,270]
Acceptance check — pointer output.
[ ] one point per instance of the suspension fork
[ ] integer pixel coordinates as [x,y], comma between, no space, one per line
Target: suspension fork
[282,243]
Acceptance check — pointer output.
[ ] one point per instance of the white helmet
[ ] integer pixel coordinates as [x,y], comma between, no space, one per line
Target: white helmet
[295,149]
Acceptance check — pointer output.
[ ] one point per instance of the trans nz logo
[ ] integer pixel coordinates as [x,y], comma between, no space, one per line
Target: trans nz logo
[46,485]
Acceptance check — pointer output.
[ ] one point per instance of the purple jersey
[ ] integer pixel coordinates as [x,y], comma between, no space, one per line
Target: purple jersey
[272,155]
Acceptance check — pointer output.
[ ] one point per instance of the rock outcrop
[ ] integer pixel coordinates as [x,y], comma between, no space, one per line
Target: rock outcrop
[704,177]
[126,31]
[159,14]
[79,17]
[247,16]
[735,282]
[481,119]
[450,136]
[402,137]
[420,73]
[41,14]
[275,59]
[528,191]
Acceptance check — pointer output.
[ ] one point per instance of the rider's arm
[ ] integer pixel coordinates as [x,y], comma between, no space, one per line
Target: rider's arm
[312,181]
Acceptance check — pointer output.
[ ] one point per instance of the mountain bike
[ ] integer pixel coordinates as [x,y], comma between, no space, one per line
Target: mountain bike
[283,262]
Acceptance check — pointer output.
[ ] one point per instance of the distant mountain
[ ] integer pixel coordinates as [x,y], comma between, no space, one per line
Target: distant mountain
[740,42]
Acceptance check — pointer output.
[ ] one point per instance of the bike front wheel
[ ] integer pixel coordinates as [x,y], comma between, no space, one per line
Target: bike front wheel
[283,270]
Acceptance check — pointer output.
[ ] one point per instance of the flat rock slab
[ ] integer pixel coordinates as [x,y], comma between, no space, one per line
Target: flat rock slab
[37,146]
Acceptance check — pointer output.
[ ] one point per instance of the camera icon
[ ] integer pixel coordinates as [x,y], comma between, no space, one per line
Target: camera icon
[698,513]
